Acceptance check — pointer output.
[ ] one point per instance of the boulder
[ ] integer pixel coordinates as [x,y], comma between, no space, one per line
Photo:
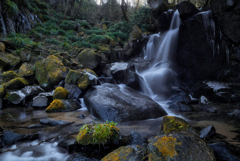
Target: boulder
[186,9]
[61,105]
[118,70]
[178,147]
[89,59]
[25,55]
[9,75]
[17,83]
[137,139]
[88,79]
[136,34]
[74,91]
[222,152]
[125,153]
[120,103]
[2,47]
[11,60]
[158,6]
[181,97]
[53,122]
[227,16]
[206,105]
[1,103]
[60,93]
[180,107]
[26,70]
[3,63]
[207,132]
[73,76]
[40,101]
[50,71]
[200,89]
[2,90]
[10,138]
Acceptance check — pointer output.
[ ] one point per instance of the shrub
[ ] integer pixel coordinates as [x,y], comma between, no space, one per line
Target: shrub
[82,44]
[53,41]
[98,32]
[65,45]
[67,25]
[61,32]
[21,39]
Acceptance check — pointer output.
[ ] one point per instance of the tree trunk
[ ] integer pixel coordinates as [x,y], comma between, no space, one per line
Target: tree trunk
[123,11]
[72,2]
[79,5]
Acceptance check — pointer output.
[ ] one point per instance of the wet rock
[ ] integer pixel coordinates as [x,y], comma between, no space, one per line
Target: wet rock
[1,103]
[2,90]
[120,103]
[9,75]
[69,145]
[200,89]
[17,83]
[172,124]
[40,101]
[132,153]
[2,47]
[179,147]
[26,70]
[89,59]
[180,107]
[235,113]
[158,7]
[31,91]
[182,97]
[222,152]
[15,97]
[10,138]
[82,116]
[206,105]
[207,132]
[74,91]
[164,20]
[33,126]
[186,9]
[60,93]
[50,71]
[118,70]
[53,122]
[227,16]
[80,157]
[136,139]
[61,105]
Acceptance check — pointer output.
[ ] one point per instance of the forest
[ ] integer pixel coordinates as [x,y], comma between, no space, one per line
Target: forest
[119,80]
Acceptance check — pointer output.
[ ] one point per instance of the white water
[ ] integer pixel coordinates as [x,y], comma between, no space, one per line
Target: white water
[158,79]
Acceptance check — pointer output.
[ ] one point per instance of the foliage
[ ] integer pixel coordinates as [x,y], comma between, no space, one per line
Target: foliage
[21,39]
[53,41]
[98,32]
[67,25]
[82,44]
[12,7]
[65,45]
[97,133]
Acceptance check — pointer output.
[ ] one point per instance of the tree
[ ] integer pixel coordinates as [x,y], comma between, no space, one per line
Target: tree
[123,6]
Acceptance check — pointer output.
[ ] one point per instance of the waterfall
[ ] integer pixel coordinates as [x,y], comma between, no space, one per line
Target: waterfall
[158,79]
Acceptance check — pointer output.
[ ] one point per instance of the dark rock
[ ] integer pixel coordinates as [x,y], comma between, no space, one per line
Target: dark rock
[15,97]
[207,132]
[180,107]
[10,138]
[183,147]
[74,91]
[182,97]
[35,126]
[69,145]
[222,152]
[136,139]
[53,122]
[40,101]
[120,103]
[82,116]
[235,113]
[31,91]
[158,7]
[206,105]
[164,20]
[186,9]
[227,16]
[132,78]
[63,105]
[118,70]
[1,103]
[80,157]
[89,59]
[200,89]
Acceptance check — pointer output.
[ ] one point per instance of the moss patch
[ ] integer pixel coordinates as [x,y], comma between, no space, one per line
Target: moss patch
[60,93]
[56,105]
[2,90]
[17,83]
[73,76]
[9,75]
[120,154]
[26,70]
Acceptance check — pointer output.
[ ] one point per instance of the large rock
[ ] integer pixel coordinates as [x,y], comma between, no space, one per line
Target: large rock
[10,138]
[186,9]
[60,93]
[50,71]
[158,6]
[179,147]
[89,59]
[61,105]
[120,103]
[2,47]
[206,105]
[17,83]
[11,60]
[227,16]
[26,70]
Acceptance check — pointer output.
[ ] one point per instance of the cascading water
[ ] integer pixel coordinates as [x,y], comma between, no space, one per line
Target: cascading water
[158,79]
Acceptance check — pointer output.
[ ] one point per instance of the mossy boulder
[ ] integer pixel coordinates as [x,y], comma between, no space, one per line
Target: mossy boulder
[50,71]
[73,76]
[91,134]
[60,93]
[64,61]
[125,153]
[88,79]
[173,124]
[2,90]
[89,59]
[17,83]
[11,60]
[2,47]
[179,147]
[135,34]
[3,63]
[63,105]
[15,97]
[9,75]
[26,70]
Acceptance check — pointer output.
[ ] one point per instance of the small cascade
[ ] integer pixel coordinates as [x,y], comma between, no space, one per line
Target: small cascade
[159,78]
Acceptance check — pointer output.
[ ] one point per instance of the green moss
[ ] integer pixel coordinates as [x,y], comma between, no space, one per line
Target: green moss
[9,75]
[17,83]
[97,133]
[73,76]
[2,90]
[12,97]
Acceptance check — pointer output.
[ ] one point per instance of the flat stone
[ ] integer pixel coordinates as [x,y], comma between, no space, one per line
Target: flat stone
[53,122]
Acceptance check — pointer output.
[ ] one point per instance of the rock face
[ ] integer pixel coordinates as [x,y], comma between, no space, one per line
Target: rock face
[179,147]
[186,9]
[196,49]
[227,16]
[119,103]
